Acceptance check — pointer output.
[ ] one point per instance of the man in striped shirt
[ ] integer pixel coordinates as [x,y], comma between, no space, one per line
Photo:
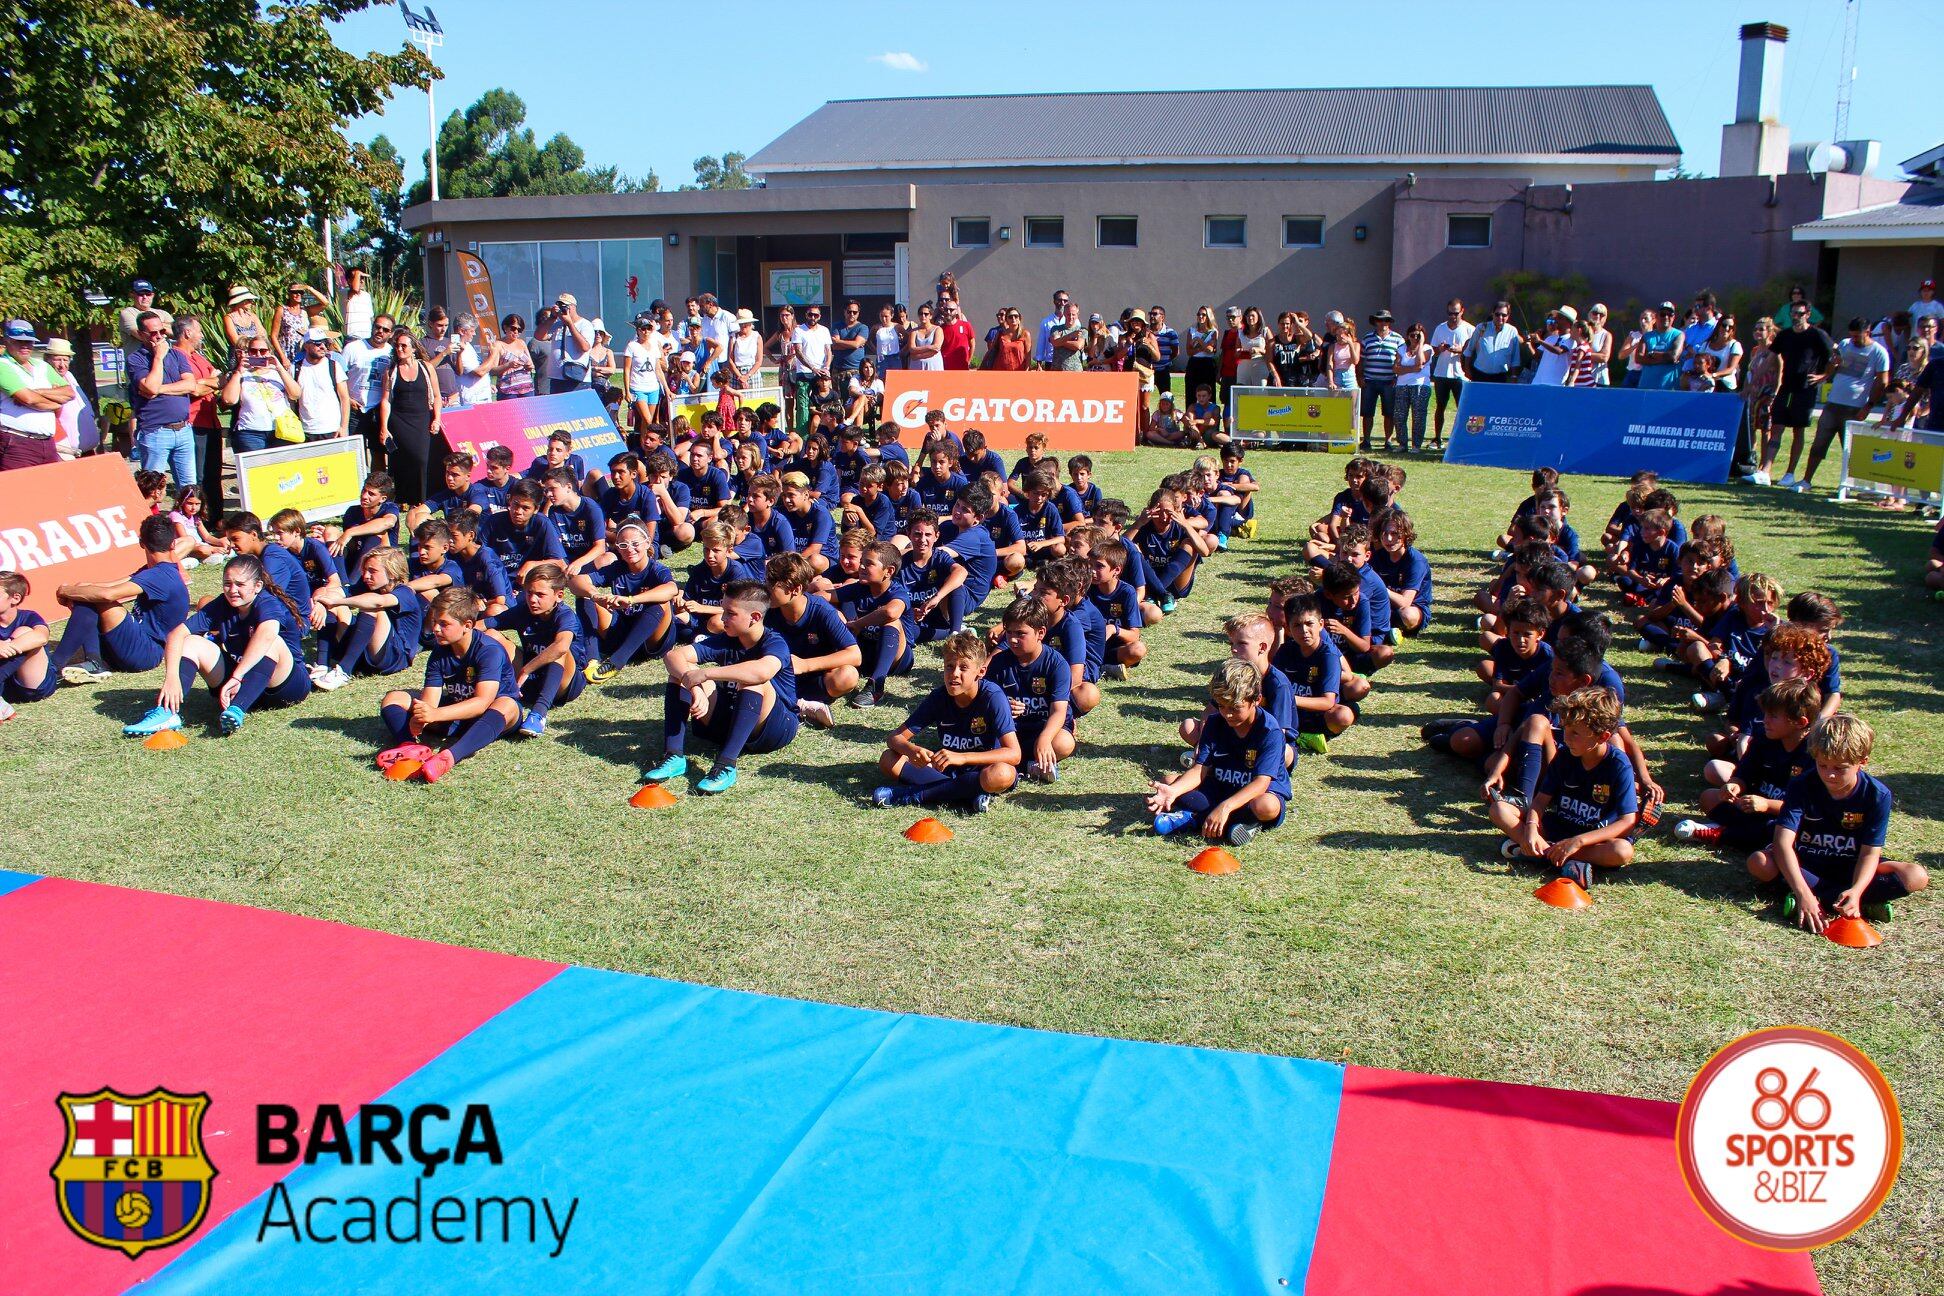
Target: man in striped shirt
[1377,374]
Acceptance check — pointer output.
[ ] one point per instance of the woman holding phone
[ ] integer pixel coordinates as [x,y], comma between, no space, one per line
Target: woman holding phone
[262,387]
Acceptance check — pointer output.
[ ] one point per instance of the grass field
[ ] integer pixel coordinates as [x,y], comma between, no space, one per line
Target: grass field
[1379,926]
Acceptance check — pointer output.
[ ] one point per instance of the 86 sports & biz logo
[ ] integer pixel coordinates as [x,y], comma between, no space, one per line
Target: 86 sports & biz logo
[1789,1138]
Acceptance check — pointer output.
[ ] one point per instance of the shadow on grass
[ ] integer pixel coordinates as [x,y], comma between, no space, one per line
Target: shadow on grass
[365,734]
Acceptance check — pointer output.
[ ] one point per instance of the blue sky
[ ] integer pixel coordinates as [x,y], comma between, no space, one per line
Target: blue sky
[661,108]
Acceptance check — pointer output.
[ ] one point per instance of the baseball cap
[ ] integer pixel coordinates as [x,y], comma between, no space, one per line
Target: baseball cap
[19,330]
[1669,307]
[566,299]
[1928,283]
[141,286]
[684,358]
[318,335]
[1095,318]
[797,479]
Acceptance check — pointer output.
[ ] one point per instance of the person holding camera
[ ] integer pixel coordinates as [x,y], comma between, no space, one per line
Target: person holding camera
[262,388]
[573,340]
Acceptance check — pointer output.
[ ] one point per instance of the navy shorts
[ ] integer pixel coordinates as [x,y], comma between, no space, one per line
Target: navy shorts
[395,656]
[15,691]
[779,727]
[130,648]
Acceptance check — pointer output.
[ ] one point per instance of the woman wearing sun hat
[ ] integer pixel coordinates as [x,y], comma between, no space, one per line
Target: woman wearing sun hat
[240,320]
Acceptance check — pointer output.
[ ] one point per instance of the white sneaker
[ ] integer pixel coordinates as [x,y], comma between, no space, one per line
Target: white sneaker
[1788,481]
[332,679]
[1645,646]
[1706,701]
[6,711]
[1760,479]
[190,564]
[815,713]
[1800,488]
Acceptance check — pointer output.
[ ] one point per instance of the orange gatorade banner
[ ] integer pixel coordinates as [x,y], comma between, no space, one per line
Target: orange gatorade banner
[1077,411]
[73,521]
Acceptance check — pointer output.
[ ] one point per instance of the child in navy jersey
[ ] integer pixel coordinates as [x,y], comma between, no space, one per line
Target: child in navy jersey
[735,687]
[26,671]
[978,752]
[824,654]
[548,645]
[1829,838]
[1746,795]
[877,609]
[469,698]
[1037,681]
[1238,784]
[1586,802]
[627,609]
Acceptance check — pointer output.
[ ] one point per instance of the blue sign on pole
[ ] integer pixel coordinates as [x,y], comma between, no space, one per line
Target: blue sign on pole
[1613,431]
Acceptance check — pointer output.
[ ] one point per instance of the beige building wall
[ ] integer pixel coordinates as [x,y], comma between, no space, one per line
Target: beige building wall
[1170,266]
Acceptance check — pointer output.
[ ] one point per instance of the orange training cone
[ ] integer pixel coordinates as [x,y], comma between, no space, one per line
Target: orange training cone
[1852,933]
[165,740]
[1564,893]
[652,796]
[1215,862]
[928,832]
[399,771]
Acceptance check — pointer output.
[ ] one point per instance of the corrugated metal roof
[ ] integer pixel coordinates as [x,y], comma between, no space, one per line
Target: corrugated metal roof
[1223,125]
[1923,205]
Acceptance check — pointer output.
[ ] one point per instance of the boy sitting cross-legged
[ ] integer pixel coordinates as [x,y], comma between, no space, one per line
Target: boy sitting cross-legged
[978,753]
[1586,803]
[1238,784]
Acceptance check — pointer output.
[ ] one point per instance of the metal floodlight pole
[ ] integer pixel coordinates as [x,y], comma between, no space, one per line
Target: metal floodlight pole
[423,30]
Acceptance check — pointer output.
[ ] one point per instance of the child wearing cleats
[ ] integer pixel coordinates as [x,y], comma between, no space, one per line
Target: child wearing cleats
[1238,784]
[978,755]
[1586,802]
[468,698]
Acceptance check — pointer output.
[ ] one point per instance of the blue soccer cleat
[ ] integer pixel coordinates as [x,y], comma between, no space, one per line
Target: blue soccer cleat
[884,796]
[157,720]
[717,781]
[532,725]
[1578,871]
[1172,821]
[231,720]
[672,767]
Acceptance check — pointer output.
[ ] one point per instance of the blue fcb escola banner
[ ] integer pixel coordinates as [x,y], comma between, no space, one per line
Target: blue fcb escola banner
[1611,431]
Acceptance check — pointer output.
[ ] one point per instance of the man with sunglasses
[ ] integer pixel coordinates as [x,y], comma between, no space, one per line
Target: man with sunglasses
[161,383]
[851,342]
[1448,341]
[957,350]
[31,397]
[1807,354]
[1043,344]
[811,347]
[365,361]
[1494,352]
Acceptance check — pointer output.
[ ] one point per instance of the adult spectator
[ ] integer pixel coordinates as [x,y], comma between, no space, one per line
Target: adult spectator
[573,339]
[31,397]
[1695,336]
[1629,349]
[79,434]
[1011,351]
[1143,359]
[437,340]
[359,312]
[1929,396]
[887,341]
[476,356]
[745,359]
[1856,383]
[1726,349]
[1231,351]
[1412,395]
[1377,375]
[602,367]
[408,416]
[1927,306]
[324,403]
[240,320]
[1204,365]
[1043,348]
[1252,352]
[1447,343]
[262,388]
[302,311]
[365,361]
[849,343]
[1553,352]
[780,347]
[646,359]
[1660,351]
[546,323]
[865,394]
[1798,296]
[1069,342]
[205,416]
[1294,354]
[1168,342]
[958,334]
[1492,353]
[810,351]
[717,326]
[947,291]
[1600,342]
[516,372]
[1341,353]
[142,292]
[161,383]
[1807,355]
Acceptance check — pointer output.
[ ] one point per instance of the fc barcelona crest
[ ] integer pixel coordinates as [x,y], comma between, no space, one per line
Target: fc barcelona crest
[1602,792]
[132,1174]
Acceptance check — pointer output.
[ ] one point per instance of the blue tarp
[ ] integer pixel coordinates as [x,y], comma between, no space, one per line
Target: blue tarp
[720,1141]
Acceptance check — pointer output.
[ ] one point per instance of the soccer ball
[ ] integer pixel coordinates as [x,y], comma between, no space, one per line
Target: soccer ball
[132,1210]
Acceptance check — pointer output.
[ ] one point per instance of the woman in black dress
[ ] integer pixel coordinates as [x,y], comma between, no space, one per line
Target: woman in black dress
[409,415]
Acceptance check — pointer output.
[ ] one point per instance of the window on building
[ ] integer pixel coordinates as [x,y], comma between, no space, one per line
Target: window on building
[1302,231]
[600,273]
[1046,231]
[1119,231]
[631,277]
[1225,231]
[515,268]
[715,269]
[971,232]
[1468,231]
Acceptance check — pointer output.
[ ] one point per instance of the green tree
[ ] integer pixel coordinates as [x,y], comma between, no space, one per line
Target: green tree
[489,151]
[725,172]
[194,142]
